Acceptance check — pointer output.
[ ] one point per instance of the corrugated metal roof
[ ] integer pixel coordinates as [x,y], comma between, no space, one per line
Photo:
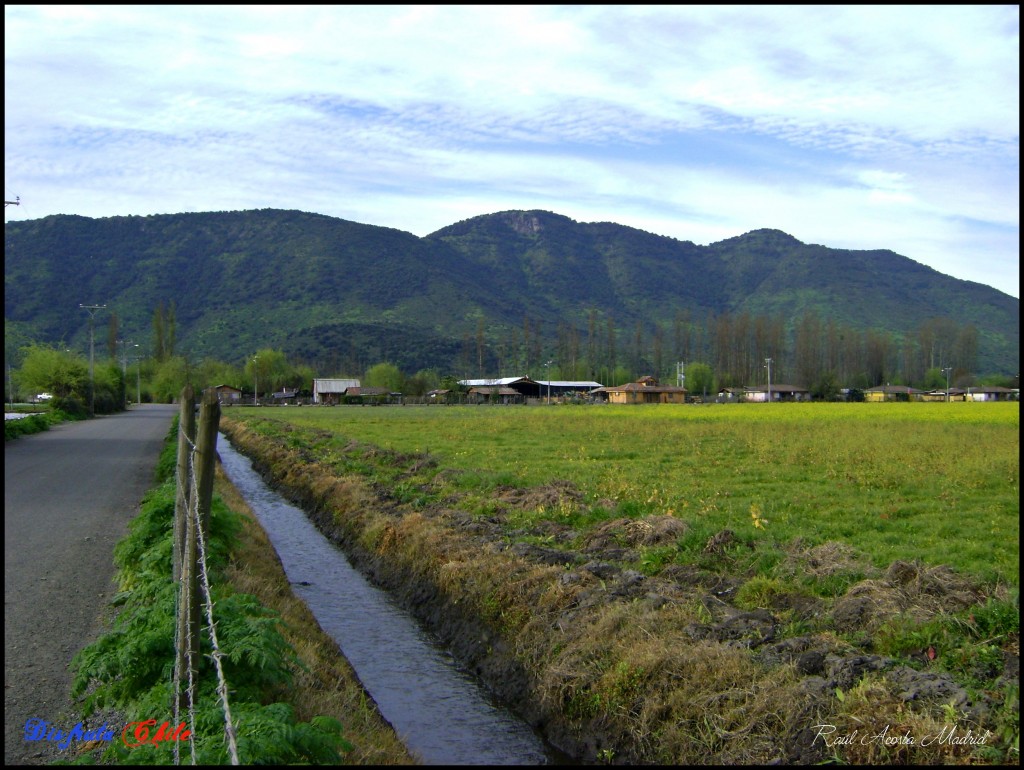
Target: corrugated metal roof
[493,382]
[357,391]
[889,389]
[333,386]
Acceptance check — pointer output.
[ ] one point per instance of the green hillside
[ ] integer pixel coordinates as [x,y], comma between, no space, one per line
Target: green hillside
[500,290]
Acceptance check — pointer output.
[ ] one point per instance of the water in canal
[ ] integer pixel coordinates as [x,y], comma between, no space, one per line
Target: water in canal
[442,715]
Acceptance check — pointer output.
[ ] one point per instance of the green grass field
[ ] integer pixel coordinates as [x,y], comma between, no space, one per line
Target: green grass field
[935,482]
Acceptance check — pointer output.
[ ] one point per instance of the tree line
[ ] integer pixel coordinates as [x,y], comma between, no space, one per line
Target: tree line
[717,351]
[811,352]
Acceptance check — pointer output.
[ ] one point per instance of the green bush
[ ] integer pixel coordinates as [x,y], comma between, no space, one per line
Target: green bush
[72,406]
[131,667]
[23,426]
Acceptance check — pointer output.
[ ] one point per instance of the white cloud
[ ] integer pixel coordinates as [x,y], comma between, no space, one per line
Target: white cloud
[851,126]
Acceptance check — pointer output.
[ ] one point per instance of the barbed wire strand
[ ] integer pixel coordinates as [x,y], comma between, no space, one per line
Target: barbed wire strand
[216,655]
[186,606]
[177,663]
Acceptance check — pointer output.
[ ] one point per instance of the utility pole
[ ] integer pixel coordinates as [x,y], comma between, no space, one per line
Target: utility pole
[91,310]
[681,374]
[15,202]
[768,365]
[947,370]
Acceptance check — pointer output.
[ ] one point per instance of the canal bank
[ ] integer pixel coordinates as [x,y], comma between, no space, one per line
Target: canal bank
[561,641]
[693,664]
[443,569]
[439,711]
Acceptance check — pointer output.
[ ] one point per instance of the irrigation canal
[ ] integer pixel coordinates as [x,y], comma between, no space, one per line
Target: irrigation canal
[441,713]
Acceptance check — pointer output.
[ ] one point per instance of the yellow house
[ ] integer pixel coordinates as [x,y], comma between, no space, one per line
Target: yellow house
[892,393]
[646,390]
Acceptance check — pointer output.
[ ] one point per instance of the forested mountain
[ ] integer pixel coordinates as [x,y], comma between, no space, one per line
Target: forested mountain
[500,294]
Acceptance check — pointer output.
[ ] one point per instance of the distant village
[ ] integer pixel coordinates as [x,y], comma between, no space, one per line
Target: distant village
[646,390]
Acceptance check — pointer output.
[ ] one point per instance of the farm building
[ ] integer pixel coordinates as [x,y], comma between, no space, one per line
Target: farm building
[893,393]
[529,388]
[731,395]
[368,395]
[992,393]
[329,391]
[227,395]
[286,396]
[646,390]
[780,392]
[560,388]
[495,394]
[524,386]
[941,394]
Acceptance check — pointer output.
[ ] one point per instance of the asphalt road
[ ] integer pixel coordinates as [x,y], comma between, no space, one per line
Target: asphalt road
[69,494]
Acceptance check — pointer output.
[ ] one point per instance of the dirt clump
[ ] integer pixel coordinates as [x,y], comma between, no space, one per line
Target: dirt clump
[634,533]
[911,590]
[554,496]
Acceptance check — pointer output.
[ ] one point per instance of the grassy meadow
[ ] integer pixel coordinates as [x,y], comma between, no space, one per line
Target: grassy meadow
[934,482]
[694,584]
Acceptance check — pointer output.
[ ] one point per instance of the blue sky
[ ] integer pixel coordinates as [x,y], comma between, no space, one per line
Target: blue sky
[859,127]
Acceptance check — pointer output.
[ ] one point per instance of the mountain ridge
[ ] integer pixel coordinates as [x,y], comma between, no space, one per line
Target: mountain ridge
[308,282]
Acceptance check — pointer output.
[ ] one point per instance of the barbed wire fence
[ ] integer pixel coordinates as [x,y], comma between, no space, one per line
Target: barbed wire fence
[197,451]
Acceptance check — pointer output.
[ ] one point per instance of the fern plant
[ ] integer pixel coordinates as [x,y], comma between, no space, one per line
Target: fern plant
[131,667]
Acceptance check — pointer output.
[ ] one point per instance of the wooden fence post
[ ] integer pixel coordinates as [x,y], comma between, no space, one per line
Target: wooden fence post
[206,456]
[203,466]
[187,645]
[187,429]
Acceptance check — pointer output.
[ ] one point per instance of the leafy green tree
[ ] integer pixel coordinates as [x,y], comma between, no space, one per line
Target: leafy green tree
[620,375]
[384,375]
[301,376]
[267,369]
[451,382]
[934,379]
[210,373]
[421,383]
[700,379]
[109,388]
[169,379]
[159,333]
[46,369]
[826,388]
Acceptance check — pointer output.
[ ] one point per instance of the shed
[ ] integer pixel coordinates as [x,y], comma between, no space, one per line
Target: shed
[779,392]
[730,395]
[227,395]
[496,394]
[331,391]
[285,396]
[368,395]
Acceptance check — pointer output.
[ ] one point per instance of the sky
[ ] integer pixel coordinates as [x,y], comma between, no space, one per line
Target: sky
[854,127]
